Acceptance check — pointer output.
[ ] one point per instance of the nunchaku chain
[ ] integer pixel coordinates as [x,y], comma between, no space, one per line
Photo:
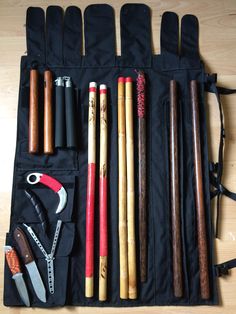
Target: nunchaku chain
[48,257]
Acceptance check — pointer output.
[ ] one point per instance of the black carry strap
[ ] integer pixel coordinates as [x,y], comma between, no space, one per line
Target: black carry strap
[223,268]
[216,170]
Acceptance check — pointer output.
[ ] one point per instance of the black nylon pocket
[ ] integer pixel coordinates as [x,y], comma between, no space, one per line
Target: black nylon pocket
[61,267]
[23,210]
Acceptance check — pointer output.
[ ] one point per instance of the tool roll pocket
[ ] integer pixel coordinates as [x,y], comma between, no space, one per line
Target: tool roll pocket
[24,211]
[60,264]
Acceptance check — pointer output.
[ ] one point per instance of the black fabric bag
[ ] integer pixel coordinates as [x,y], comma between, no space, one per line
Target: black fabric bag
[56,43]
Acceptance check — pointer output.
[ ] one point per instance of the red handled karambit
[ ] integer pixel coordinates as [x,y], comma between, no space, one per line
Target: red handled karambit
[53,184]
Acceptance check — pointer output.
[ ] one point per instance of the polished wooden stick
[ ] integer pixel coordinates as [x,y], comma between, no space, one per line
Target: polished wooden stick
[89,258]
[122,186]
[174,192]
[130,188]
[48,113]
[34,113]
[199,195]
[103,247]
[141,110]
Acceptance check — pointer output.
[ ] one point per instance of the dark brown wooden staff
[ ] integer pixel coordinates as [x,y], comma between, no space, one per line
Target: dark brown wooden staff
[199,195]
[141,111]
[174,191]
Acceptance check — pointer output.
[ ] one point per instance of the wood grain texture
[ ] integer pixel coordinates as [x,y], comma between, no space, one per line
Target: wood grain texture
[130,188]
[199,195]
[34,113]
[174,188]
[48,113]
[122,190]
[217,19]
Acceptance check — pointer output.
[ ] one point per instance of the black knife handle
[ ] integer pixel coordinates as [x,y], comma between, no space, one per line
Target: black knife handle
[40,210]
[23,245]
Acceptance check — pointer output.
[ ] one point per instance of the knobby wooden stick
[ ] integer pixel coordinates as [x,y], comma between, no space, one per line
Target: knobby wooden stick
[130,188]
[122,186]
[103,195]
[174,191]
[89,258]
[48,113]
[33,113]
[199,195]
[141,110]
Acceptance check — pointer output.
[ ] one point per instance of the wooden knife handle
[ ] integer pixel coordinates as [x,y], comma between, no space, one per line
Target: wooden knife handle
[33,113]
[48,113]
[23,244]
[12,260]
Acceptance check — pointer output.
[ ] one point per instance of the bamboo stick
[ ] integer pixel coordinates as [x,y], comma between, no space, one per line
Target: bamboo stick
[122,186]
[103,195]
[130,188]
[89,262]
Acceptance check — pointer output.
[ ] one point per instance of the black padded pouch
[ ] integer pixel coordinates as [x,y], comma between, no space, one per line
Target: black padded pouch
[56,43]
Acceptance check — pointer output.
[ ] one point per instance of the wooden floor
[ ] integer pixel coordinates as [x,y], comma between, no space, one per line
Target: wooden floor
[218,49]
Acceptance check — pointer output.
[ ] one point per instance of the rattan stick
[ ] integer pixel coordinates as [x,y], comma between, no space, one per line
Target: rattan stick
[123,251]
[130,188]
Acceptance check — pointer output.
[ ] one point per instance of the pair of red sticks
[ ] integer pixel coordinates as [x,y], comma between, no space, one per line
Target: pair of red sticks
[89,263]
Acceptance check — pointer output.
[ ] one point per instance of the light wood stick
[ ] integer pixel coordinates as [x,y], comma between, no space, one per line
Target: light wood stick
[103,247]
[122,191]
[89,262]
[130,188]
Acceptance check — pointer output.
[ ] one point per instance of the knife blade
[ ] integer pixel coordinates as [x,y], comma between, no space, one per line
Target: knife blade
[14,266]
[30,264]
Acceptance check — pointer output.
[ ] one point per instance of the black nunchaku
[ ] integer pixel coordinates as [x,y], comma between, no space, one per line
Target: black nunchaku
[65,113]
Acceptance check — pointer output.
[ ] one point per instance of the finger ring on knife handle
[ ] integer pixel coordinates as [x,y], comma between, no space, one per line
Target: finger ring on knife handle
[53,184]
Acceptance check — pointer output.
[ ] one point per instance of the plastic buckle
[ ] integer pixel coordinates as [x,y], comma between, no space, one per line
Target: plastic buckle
[221,270]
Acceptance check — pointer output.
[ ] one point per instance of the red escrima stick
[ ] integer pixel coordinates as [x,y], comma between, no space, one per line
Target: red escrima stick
[103,195]
[89,258]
